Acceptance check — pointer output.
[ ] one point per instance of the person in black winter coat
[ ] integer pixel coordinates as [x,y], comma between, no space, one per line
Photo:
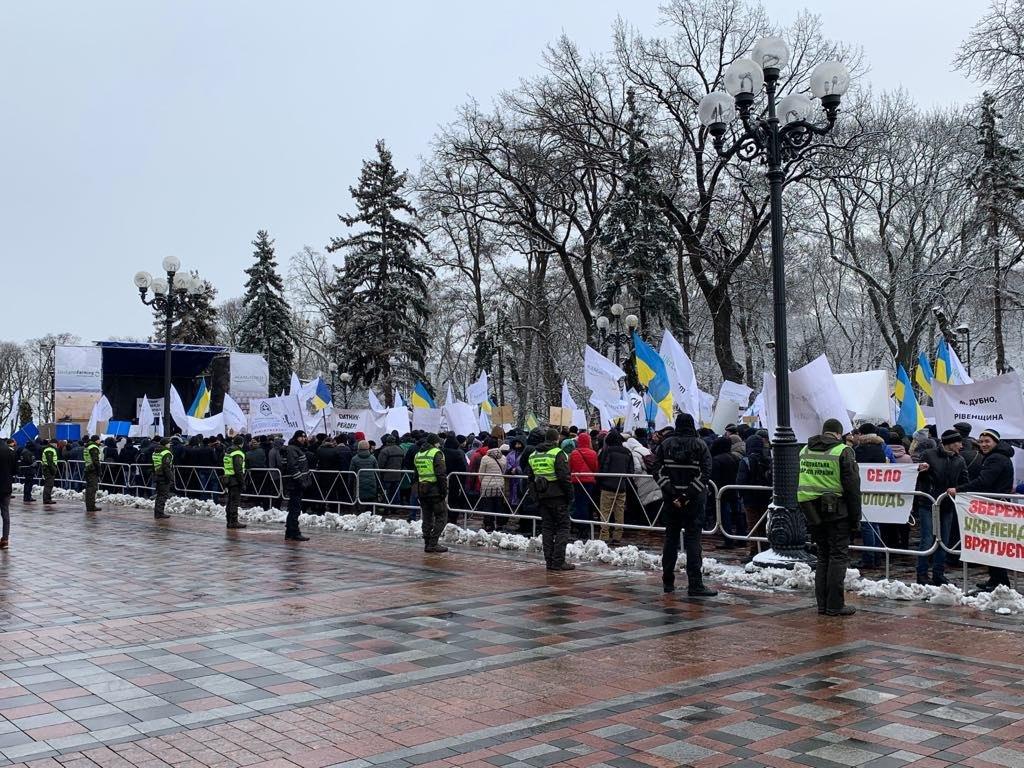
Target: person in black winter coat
[945,469]
[614,459]
[724,466]
[995,476]
[26,465]
[455,461]
[869,448]
[8,469]
[755,469]
[682,465]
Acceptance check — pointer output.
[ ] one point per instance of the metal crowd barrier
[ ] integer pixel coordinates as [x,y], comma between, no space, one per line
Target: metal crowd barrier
[331,489]
[884,549]
[478,504]
[958,543]
[388,486]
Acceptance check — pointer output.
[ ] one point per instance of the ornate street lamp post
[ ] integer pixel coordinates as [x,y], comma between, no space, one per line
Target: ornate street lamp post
[779,136]
[965,330]
[345,378]
[618,337]
[174,296]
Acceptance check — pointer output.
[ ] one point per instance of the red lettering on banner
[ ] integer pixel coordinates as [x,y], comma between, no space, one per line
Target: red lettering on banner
[993,547]
[993,508]
[884,475]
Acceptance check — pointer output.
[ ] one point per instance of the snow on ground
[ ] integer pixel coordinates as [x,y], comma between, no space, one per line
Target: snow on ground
[1003,600]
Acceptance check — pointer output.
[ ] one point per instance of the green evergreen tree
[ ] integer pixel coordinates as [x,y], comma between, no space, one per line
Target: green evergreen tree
[999,196]
[382,306]
[195,325]
[640,267]
[24,412]
[266,326]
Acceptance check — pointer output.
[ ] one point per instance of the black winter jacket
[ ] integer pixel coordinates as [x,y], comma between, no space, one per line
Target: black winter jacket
[996,473]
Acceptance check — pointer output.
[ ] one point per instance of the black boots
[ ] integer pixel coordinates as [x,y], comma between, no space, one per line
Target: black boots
[433,547]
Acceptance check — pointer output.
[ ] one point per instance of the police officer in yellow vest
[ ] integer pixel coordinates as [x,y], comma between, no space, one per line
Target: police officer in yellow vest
[49,471]
[163,475]
[432,489]
[829,497]
[547,469]
[234,480]
[93,459]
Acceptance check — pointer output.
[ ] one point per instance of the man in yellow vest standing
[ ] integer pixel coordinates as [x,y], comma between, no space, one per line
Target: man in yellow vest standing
[163,475]
[432,489]
[829,497]
[234,479]
[93,460]
[548,474]
[49,471]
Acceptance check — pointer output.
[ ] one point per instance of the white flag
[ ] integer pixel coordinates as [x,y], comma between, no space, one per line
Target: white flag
[484,419]
[178,414]
[957,374]
[234,418]
[813,398]
[101,411]
[399,402]
[681,376]
[601,376]
[567,401]
[476,392]
[295,386]
[145,417]
[375,404]
[450,400]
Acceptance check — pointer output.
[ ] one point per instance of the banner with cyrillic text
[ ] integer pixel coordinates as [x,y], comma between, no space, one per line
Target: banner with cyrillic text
[994,403]
[887,492]
[991,531]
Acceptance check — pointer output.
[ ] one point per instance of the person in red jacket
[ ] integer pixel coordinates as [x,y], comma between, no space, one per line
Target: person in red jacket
[582,465]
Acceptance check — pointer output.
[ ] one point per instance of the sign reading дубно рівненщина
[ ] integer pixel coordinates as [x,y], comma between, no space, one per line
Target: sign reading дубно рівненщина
[991,531]
[995,403]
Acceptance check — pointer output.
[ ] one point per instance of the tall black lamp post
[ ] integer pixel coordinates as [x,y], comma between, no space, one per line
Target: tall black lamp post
[777,138]
[965,331]
[346,379]
[174,296]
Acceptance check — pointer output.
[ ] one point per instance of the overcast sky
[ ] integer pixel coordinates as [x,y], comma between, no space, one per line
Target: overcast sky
[132,130]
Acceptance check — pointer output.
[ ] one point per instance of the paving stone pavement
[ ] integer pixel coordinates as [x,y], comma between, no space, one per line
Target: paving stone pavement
[129,642]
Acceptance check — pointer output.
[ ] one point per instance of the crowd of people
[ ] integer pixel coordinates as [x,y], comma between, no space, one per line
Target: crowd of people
[580,483]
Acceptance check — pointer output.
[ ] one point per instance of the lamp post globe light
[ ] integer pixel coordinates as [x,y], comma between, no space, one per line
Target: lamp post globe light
[779,135]
[346,379]
[173,295]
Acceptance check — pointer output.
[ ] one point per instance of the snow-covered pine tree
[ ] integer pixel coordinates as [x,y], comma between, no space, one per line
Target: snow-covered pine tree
[382,305]
[266,326]
[197,325]
[999,211]
[24,413]
[638,239]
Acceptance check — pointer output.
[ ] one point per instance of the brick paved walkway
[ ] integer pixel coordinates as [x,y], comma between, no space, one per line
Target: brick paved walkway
[125,642]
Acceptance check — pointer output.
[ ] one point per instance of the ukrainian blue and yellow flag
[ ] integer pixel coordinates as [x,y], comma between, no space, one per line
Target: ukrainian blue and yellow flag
[421,397]
[322,397]
[650,369]
[488,405]
[943,364]
[201,405]
[531,421]
[910,415]
[923,375]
